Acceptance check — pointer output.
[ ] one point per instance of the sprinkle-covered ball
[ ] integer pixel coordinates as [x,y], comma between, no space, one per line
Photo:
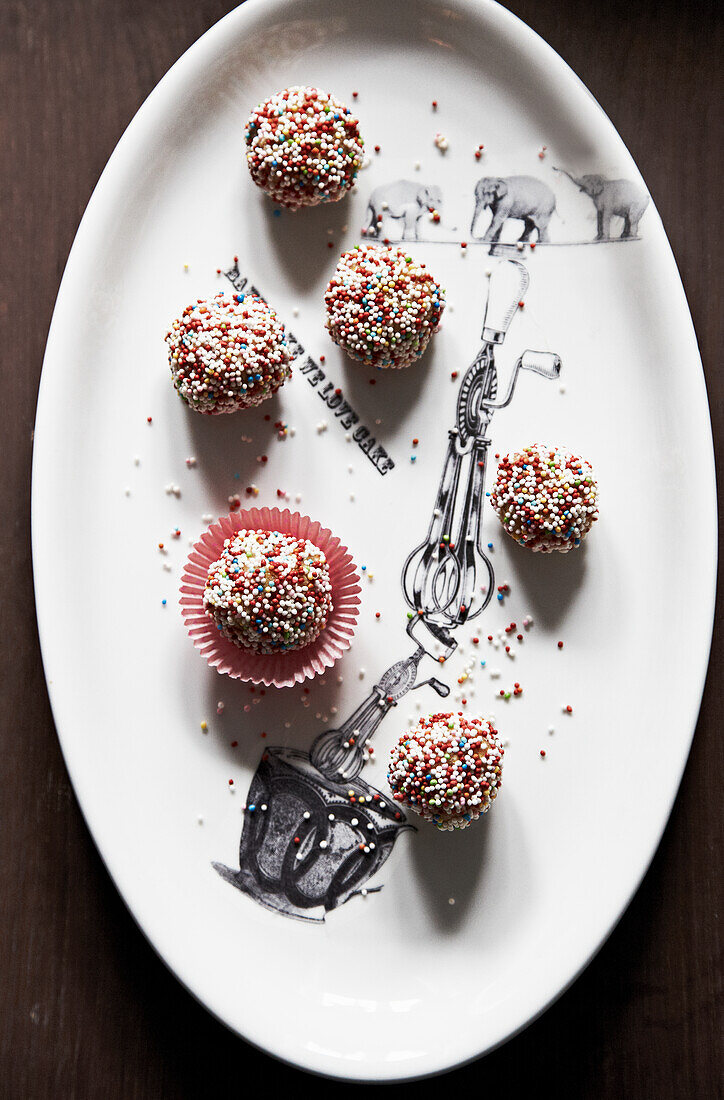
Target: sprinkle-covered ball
[545,497]
[447,768]
[303,147]
[227,353]
[269,592]
[382,307]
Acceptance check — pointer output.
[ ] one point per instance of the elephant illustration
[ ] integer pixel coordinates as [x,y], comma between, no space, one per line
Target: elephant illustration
[400,205]
[520,197]
[612,199]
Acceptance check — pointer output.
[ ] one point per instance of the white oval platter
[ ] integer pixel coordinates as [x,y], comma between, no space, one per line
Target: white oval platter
[471,935]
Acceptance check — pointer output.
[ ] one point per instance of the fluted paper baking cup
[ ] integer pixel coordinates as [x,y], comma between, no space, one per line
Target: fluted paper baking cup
[270,669]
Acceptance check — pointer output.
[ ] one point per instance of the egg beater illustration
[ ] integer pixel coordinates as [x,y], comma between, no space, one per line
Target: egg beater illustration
[315,832]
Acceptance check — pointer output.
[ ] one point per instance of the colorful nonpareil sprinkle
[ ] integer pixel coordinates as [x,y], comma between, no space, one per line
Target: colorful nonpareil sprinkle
[382,307]
[227,353]
[447,768]
[303,147]
[269,592]
[545,497]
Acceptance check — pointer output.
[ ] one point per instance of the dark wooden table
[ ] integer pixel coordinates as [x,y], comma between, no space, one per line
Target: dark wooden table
[86,1008]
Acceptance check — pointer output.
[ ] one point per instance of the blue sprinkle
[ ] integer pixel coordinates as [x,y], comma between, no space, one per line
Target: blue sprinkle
[500,597]
[490,546]
[163,602]
[277,213]
[482,664]
[413,458]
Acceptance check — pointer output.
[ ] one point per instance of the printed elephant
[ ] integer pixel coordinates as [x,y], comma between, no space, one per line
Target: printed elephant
[400,205]
[613,199]
[520,197]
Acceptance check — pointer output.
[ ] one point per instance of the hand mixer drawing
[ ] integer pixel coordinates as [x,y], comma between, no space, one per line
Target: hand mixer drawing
[314,831]
[447,579]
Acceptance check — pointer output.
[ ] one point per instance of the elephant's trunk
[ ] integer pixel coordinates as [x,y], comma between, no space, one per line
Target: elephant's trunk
[479,204]
[572,178]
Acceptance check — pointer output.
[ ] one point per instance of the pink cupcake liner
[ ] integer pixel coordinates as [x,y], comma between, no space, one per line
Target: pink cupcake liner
[273,669]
